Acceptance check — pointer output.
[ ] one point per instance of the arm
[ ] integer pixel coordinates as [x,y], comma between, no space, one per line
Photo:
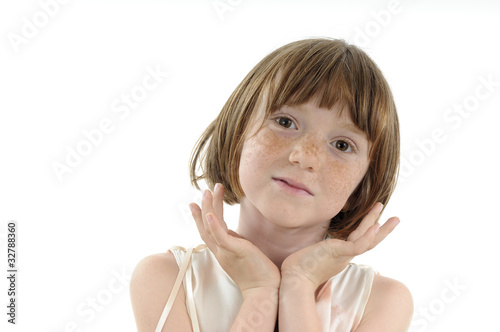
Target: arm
[152,282]
[258,311]
[304,271]
[298,306]
[389,307]
[150,287]
[256,276]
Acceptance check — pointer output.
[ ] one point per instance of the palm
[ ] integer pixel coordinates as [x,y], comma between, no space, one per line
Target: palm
[323,260]
[247,266]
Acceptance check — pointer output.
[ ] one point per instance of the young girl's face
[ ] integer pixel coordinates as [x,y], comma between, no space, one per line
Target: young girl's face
[302,166]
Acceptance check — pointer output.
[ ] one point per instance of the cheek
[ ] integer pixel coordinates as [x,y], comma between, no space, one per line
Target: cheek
[262,148]
[258,154]
[343,179]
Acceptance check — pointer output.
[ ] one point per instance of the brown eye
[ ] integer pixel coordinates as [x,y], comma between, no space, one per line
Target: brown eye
[284,122]
[342,145]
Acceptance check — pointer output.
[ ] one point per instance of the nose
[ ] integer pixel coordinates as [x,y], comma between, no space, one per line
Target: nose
[306,152]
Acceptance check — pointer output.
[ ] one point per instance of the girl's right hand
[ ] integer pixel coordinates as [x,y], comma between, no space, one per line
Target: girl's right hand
[247,266]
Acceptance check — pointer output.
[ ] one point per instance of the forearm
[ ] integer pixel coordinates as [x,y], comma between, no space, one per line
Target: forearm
[258,311]
[297,307]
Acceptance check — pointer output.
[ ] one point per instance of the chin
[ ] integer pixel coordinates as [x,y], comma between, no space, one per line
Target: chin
[287,218]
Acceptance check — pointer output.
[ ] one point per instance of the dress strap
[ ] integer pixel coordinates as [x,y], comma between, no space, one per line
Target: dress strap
[185,267]
[190,301]
[175,289]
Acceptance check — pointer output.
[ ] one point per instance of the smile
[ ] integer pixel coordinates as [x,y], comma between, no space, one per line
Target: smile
[292,187]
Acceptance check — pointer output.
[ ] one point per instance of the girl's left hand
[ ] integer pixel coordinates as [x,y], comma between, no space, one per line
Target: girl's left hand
[319,262]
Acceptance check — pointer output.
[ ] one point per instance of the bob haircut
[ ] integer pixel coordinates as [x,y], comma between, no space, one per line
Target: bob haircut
[331,71]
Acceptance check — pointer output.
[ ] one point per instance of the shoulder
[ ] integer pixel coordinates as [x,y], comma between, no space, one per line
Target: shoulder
[389,307]
[157,269]
[150,286]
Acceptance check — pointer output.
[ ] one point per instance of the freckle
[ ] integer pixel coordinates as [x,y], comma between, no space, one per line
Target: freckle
[270,143]
[311,147]
[344,179]
[340,178]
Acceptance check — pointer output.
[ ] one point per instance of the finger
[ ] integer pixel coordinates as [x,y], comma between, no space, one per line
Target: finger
[385,230]
[207,207]
[220,235]
[364,243]
[234,234]
[206,204]
[210,203]
[200,224]
[367,222]
[339,248]
[218,204]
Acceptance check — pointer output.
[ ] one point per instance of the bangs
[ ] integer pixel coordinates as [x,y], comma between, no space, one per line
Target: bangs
[304,78]
[328,74]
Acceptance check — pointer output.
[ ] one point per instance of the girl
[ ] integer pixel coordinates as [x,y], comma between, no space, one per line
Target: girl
[308,145]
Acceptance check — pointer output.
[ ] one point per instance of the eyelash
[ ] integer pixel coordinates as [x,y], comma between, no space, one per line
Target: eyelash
[349,142]
[283,117]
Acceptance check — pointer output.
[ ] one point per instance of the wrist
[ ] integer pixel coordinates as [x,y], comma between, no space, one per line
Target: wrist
[297,300]
[258,311]
[260,293]
[291,281]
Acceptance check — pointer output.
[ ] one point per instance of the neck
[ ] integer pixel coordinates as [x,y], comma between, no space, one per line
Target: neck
[275,241]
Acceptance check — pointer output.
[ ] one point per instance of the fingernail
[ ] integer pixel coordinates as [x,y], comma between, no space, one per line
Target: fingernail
[380,206]
[217,186]
[205,193]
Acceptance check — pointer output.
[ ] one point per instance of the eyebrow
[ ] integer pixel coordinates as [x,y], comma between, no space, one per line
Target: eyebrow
[354,128]
[348,126]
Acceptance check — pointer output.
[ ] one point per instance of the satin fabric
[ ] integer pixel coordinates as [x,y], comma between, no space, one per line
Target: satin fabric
[213,299]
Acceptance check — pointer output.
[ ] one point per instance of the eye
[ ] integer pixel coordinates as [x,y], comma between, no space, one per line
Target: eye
[285,122]
[342,146]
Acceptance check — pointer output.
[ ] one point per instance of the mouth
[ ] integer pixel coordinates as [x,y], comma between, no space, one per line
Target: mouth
[293,187]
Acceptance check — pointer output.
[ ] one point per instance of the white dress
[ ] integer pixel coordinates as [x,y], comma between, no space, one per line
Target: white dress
[210,291]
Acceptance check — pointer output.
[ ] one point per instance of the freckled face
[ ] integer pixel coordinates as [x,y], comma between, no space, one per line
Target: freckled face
[301,167]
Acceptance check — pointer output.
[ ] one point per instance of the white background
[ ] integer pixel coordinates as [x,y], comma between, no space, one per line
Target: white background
[128,197]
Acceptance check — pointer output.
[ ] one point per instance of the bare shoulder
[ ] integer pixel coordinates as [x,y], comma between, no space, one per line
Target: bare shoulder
[157,268]
[150,286]
[389,307]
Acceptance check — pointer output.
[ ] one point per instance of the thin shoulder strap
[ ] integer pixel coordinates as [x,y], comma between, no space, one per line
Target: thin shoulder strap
[175,289]
[190,301]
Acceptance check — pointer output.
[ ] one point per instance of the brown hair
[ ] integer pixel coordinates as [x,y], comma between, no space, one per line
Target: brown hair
[333,71]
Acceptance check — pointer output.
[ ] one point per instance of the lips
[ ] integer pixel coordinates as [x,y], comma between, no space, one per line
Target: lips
[294,186]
